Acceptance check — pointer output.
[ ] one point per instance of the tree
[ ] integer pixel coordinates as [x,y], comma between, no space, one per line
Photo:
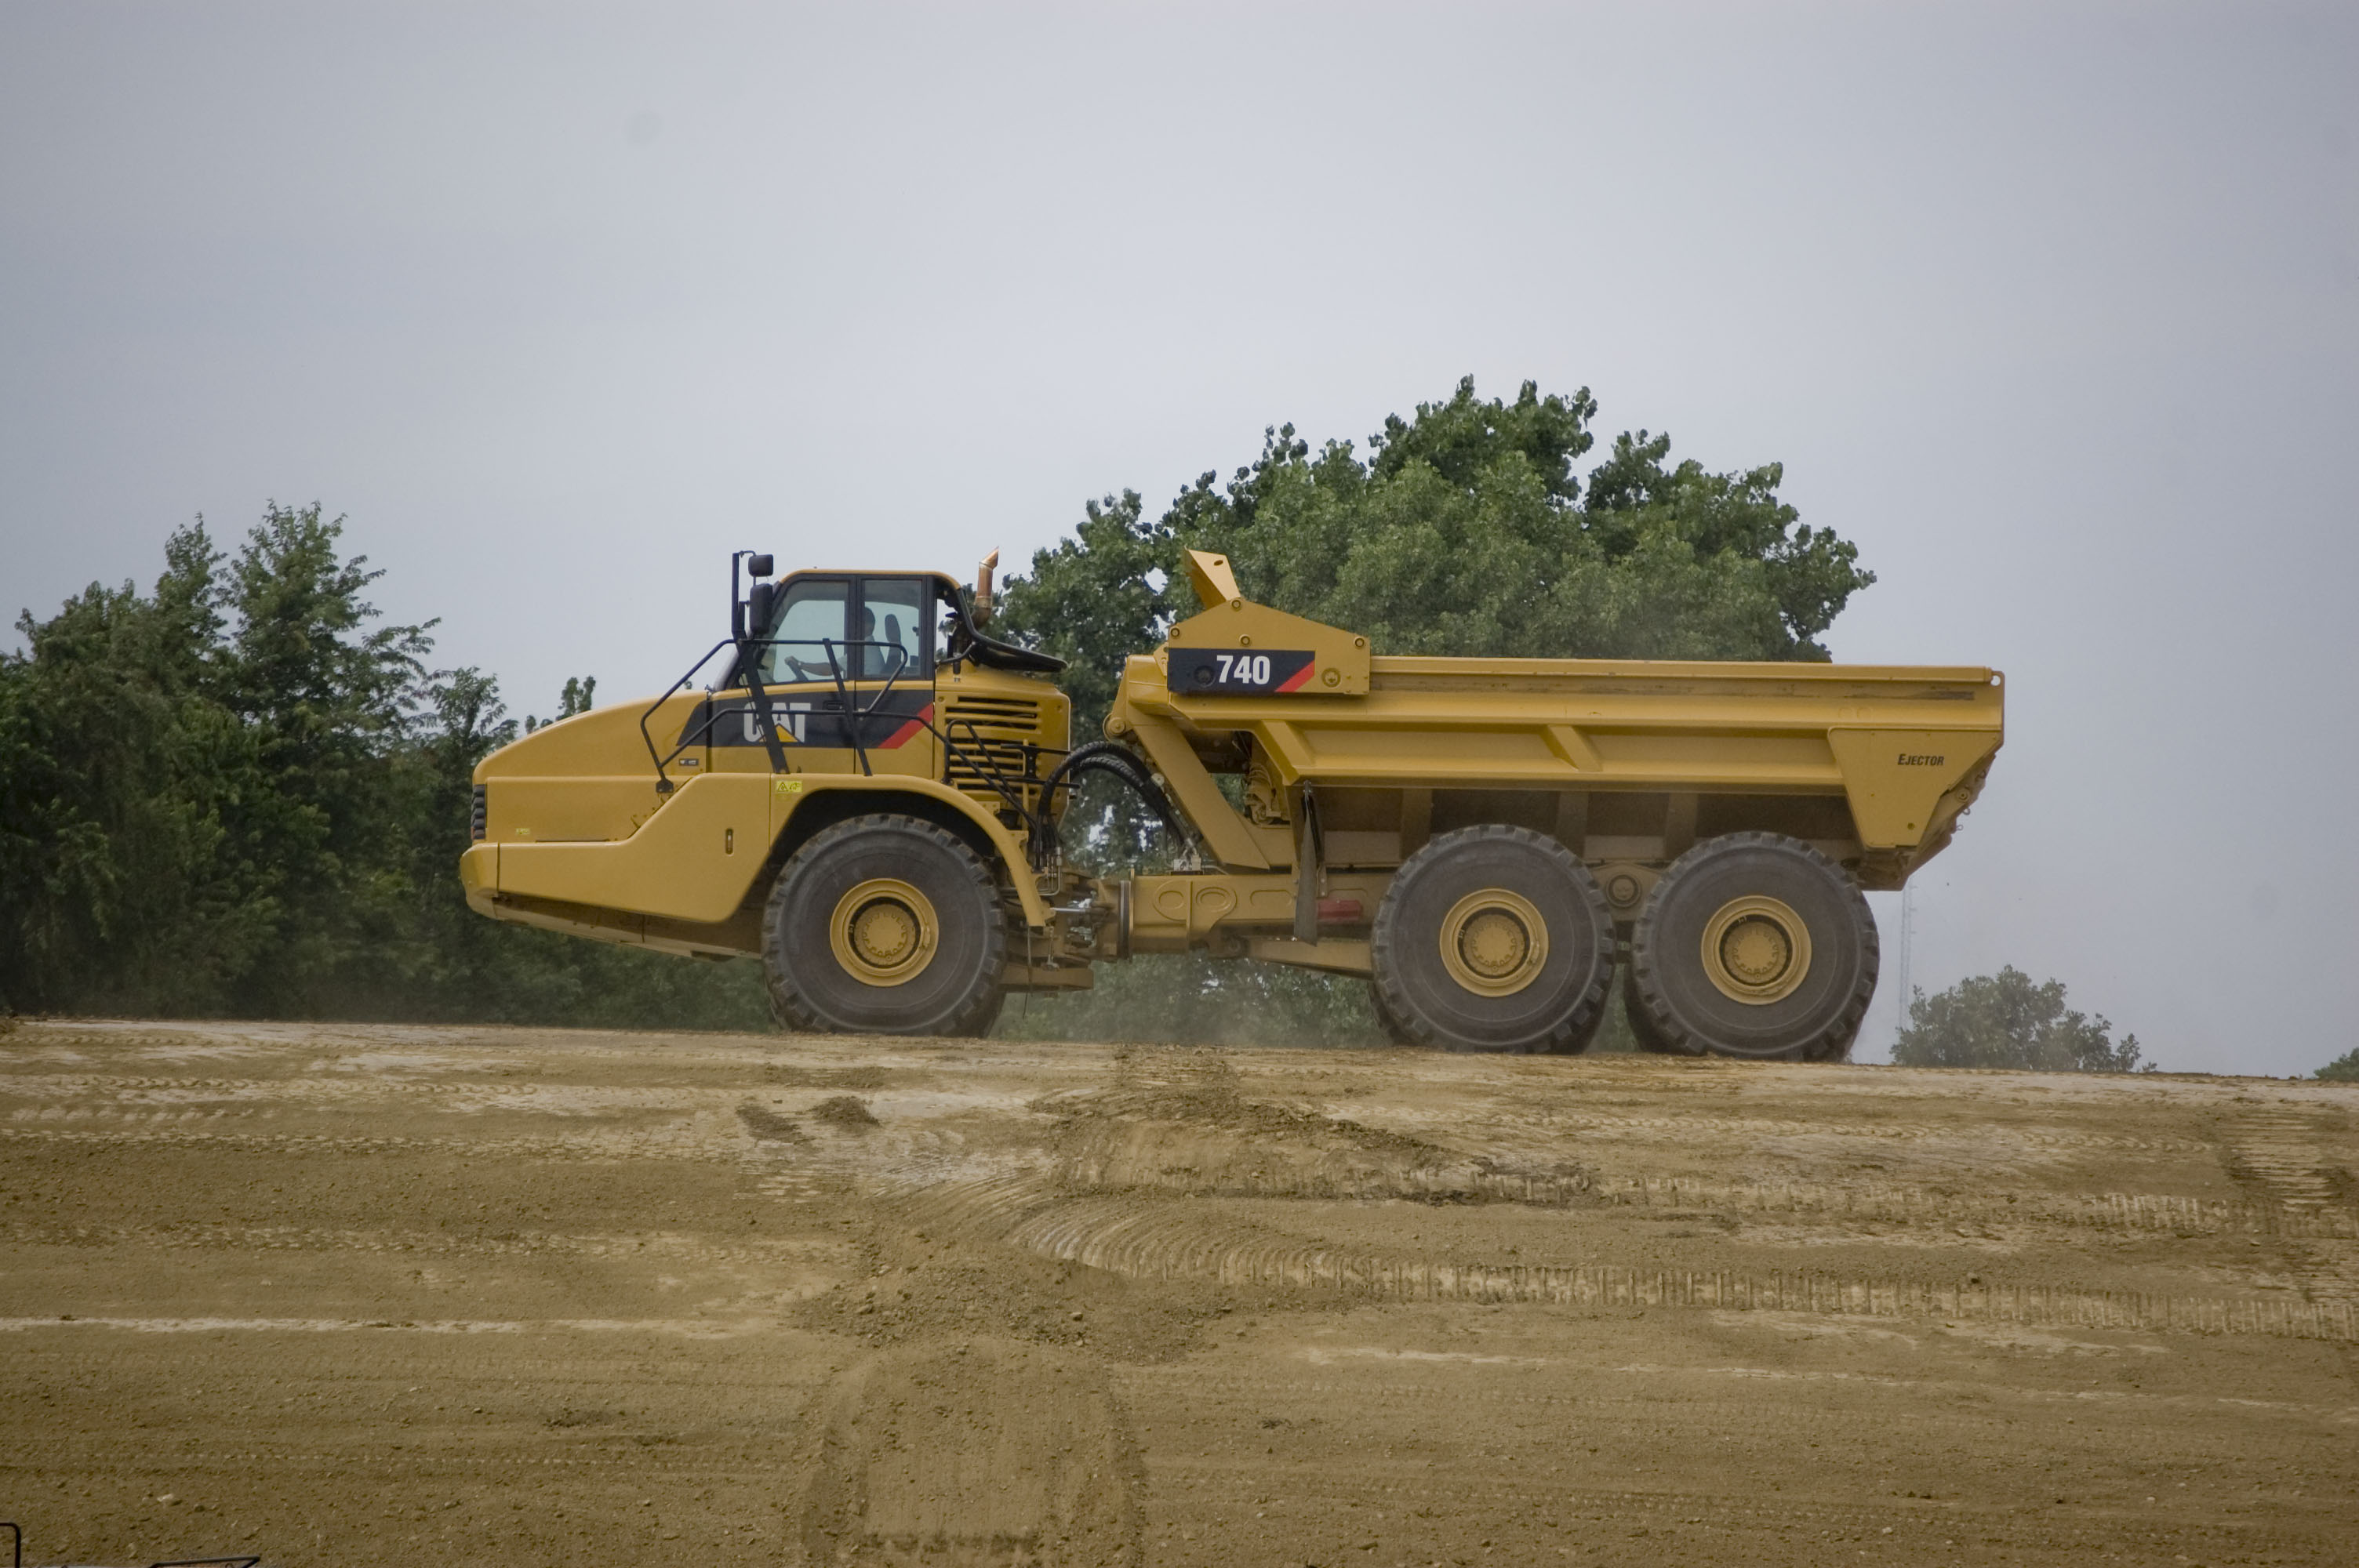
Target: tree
[122,777]
[1463,531]
[2005,1021]
[2344,1069]
[241,793]
[334,706]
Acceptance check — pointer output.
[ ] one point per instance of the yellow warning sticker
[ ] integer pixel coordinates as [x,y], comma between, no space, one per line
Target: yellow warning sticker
[790,786]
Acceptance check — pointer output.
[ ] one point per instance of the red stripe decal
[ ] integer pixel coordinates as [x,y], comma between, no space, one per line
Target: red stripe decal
[908,731]
[1300,678]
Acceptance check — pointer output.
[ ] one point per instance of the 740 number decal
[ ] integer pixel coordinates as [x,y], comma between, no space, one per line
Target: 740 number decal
[1238,672]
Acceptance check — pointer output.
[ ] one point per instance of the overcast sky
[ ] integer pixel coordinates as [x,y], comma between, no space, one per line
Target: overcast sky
[2054,310]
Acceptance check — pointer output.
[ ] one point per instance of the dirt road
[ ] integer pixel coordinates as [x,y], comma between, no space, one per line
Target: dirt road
[380,1296]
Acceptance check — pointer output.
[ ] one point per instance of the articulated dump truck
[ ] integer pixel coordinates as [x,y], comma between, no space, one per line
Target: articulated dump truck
[869,799]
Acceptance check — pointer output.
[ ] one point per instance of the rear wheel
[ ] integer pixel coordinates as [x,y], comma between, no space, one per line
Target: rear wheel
[884,925]
[1494,938]
[1642,1028]
[1753,945]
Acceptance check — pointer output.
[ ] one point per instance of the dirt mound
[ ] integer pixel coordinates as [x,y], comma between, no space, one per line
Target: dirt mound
[1189,1127]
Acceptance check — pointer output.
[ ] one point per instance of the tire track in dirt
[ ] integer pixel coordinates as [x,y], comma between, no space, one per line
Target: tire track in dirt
[1734,1527]
[1171,1240]
[650,1246]
[1574,1123]
[1590,1394]
[2129,1212]
[1189,1127]
[1127,1153]
[126,1099]
[672,1144]
[698,1328]
[980,1453]
[2284,1156]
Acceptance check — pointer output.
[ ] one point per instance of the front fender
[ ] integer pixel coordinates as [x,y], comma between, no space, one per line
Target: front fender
[696,859]
[789,794]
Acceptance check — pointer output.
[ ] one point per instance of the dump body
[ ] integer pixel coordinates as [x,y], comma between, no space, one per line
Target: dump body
[1625,761]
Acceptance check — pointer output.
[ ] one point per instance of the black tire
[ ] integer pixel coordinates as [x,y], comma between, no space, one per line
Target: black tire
[811,942]
[1810,988]
[1642,1028]
[1395,1029]
[1559,995]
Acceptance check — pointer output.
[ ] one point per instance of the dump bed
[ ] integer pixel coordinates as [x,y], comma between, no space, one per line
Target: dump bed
[1627,759]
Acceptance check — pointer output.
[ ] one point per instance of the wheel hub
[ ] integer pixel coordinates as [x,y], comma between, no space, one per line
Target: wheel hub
[884,931]
[1495,942]
[1756,950]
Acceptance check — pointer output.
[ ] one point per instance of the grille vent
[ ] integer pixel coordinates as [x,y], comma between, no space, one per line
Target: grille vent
[987,728]
[477,817]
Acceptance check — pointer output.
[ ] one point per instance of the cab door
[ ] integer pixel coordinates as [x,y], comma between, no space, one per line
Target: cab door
[848,669]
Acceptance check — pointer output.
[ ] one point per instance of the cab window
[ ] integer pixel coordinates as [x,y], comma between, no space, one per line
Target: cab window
[895,639]
[816,613]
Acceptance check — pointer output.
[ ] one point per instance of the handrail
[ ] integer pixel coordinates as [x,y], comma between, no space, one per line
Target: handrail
[761,696]
[979,760]
[985,768]
[843,705]
[663,779]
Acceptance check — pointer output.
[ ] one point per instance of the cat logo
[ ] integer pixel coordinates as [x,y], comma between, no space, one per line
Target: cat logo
[792,719]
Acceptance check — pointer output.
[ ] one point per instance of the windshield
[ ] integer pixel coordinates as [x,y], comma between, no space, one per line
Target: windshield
[814,615]
[879,628]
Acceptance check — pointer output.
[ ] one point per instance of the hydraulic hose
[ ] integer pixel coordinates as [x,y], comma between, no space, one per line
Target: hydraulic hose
[1114,761]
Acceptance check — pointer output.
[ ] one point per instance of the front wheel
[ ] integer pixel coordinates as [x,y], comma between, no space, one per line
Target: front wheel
[884,925]
[1753,945]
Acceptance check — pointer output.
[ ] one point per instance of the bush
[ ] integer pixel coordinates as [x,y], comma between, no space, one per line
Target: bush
[2005,1021]
[2344,1069]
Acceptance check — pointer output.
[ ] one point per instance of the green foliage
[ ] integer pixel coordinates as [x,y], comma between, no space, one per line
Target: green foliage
[2005,1021]
[239,794]
[1465,530]
[2344,1069]
[580,696]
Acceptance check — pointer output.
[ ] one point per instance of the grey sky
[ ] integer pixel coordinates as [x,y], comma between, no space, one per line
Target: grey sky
[2054,309]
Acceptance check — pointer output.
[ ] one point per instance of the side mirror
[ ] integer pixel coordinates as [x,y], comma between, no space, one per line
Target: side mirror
[760,600]
[760,565]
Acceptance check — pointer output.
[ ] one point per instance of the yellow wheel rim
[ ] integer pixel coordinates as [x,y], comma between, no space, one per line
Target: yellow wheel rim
[1756,950]
[884,931]
[1494,942]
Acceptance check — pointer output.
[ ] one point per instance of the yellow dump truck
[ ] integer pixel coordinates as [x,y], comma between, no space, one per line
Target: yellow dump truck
[868,799]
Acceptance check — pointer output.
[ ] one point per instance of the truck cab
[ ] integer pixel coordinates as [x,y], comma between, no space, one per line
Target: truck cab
[837,694]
